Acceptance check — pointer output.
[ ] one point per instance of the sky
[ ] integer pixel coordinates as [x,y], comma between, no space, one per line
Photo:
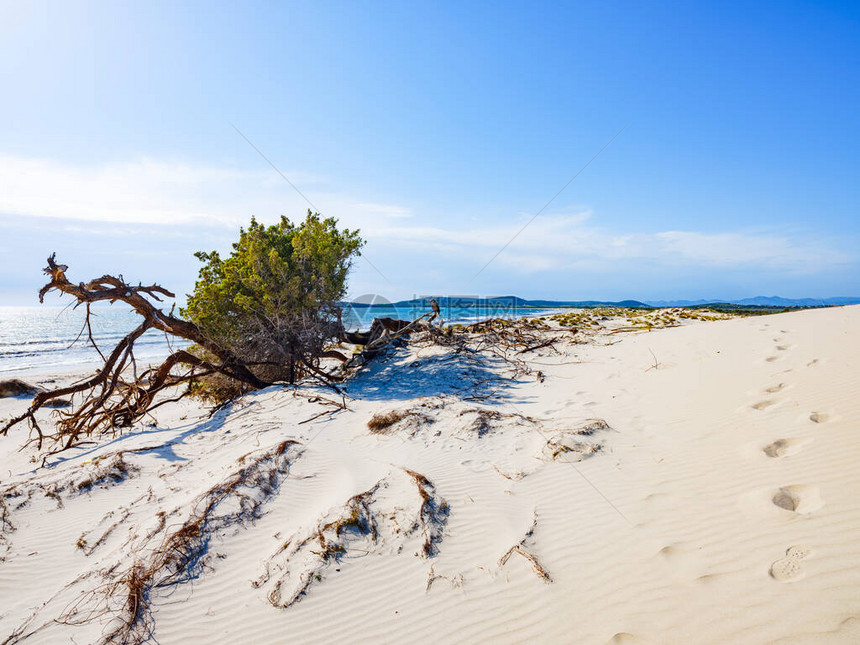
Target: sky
[713,148]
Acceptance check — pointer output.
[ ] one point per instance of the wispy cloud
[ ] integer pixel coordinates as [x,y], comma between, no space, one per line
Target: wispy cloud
[573,241]
[176,208]
[166,193]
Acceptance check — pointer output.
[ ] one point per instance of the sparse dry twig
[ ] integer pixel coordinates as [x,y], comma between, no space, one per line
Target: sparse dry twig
[520,547]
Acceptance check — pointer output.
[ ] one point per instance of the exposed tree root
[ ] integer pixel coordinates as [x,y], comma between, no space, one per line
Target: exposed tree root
[116,395]
[454,581]
[521,548]
[486,421]
[570,444]
[504,339]
[102,472]
[368,521]
[180,554]
[433,514]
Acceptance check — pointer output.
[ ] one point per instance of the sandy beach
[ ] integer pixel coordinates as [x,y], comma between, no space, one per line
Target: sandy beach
[430,323]
[693,484]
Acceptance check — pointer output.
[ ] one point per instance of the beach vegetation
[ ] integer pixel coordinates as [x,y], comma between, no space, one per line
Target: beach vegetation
[380,422]
[274,300]
[263,315]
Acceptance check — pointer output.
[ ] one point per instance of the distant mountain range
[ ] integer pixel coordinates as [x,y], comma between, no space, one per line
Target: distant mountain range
[516,302]
[499,302]
[761,301]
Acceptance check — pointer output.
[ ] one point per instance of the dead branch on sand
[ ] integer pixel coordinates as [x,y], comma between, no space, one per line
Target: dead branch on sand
[117,396]
[367,521]
[181,556]
[520,547]
[113,399]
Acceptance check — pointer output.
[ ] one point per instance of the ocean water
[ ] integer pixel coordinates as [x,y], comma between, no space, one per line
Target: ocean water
[361,316]
[48,339]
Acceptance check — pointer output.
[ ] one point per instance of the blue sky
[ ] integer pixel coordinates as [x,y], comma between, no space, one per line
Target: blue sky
[439,130]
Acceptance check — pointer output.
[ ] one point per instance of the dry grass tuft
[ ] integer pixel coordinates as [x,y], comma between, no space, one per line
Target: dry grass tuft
[570,442]
[487,420]
[366,521]
[433,514]
[83,542]
[104,471]
[5,521]
[182,554]
[101,472]
[379,423]
[531,558]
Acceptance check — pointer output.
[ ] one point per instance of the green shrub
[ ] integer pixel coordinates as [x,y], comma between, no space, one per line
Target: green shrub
[274,302]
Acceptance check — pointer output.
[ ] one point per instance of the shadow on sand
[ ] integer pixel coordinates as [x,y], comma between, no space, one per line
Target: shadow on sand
[399,376]
[163,450]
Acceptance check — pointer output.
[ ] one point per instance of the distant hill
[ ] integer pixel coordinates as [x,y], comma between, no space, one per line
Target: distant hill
[514,301]
[681,303]
[762,301]
[502,302]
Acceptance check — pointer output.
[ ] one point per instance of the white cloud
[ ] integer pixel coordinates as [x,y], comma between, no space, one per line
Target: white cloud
[571,241]
[168,193]
[185,201]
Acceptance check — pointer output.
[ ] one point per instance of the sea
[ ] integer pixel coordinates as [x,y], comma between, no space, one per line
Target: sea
[52,339]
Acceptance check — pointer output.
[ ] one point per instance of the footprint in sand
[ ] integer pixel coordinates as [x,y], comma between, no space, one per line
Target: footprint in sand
[801,498]
[622,638]
[655,496]
[710,578]
[819,417]
[786,569]
[789,568]
[775,388]
[671,552]
[761,405]
[785,447]
[812,363]
[798,552]
[782,348]
[771,359]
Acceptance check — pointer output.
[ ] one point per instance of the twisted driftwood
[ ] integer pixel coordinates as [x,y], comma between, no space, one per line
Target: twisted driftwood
[113,400]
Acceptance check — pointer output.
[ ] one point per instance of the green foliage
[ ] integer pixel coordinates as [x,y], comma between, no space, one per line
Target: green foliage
[274,301]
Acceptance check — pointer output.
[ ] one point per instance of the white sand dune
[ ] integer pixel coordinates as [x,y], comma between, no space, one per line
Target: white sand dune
[688,485]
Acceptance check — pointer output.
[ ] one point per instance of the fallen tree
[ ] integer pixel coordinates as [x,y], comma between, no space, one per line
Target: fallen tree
[119,393]
[265,313]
